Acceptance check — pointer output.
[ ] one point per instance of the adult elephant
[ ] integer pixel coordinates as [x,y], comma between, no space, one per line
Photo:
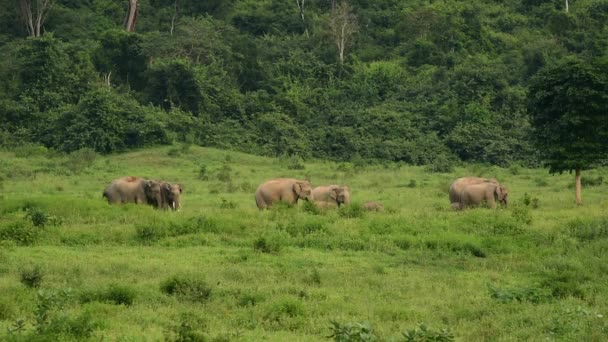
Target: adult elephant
[134,190]
[476,194]
[459,184]
[288,190]
[170,195]
[331,194]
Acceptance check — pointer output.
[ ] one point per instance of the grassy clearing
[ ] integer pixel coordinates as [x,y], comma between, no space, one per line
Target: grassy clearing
[73,267]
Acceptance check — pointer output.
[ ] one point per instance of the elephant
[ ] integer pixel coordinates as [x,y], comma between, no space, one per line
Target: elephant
[134,190]
[476,194]
[170,195]
[287,190]
[331,194]
[460,184]
[372,206]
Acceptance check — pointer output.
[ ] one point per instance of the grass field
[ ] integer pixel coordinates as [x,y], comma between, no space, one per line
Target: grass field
[73,267]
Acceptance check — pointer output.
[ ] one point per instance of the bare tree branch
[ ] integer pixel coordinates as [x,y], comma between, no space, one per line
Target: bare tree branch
[131,17]
[343,27]
[33,14]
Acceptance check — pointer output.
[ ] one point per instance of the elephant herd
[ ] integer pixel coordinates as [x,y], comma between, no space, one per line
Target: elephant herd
[464,192]
[159,194]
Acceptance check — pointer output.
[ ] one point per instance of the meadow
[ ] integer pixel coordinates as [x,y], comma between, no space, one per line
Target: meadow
[73,267]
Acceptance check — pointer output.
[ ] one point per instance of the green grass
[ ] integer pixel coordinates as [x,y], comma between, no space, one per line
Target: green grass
[222,270]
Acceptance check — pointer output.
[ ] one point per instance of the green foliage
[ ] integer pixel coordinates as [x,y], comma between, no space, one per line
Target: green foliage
[588,229]
[352,332]
[425,334]
[567,104]
[530,294]
[32,277]
[187,287]
[21,232]
[351,211]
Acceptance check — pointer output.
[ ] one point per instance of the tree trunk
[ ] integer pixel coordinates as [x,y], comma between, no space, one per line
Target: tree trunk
[567,6]
[131,17]
[579,199]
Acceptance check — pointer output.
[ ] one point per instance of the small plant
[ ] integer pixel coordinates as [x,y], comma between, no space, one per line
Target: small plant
[352,332]
[313,277]
[311,208]
[231,187]
[203,174]
[411,184]
[264,246]
[515,169]
[151,232]
[521,214]
[174,152]
[187,287]
[226,204]
[38,217]
[441,164]
[120,295]
[540,182]
[30,150]
[423,334]
[522,294]
[295,162]
[224,173]
[21,232]
[80,160]
[32,277]
[351,211]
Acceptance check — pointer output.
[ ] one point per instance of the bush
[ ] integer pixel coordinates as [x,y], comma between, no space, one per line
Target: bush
[187,287]
[352,332]
[80,159]
[351,211]
[148,233]
[120,295]
[590,229]
[264,246]
[224,173]
[295,162]
[423,333]
[32,277]
[441,164]
[30,150]
[22,233]
[520,294]
[226,204]
[203,173]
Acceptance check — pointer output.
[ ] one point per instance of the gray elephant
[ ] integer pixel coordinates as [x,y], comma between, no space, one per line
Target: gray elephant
[372,206]
[461,183]
[170,195]
[333,195]
[287,190]
[476,194]
[134,190]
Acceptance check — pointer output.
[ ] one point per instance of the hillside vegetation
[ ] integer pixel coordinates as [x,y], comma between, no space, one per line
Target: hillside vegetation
[73,267]
[422,82]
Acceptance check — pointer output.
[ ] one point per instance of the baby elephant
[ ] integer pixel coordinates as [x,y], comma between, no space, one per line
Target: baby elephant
[373,206]
[476,194]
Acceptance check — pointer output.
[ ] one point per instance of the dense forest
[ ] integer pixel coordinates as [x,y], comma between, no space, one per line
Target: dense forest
[421,81]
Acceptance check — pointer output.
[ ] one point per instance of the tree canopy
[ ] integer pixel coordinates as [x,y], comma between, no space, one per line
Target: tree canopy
[376,80]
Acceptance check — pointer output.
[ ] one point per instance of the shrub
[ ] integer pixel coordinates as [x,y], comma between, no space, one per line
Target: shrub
[224,173]
[588,229]
[188,287]
[351,211]
[81,159]
[311,208]
[203,173]
[564,279]
[352,332]
[294,162]
[441,164]
[22,233]
[265,246]
[313,277]
[226,204]
[540,182]
[249,299]
[423,333]
[411,184]
[148,233]
[120,295]
[32,277]
[303,228]
[521,294]
[30,150]
[521,214]
[285,313]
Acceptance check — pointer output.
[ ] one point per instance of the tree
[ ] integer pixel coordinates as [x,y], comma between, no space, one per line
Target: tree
[343,26]
[568,105]
[131,17]
[34,13]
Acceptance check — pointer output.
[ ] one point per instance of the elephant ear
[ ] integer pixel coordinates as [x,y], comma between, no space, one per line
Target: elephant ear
[499,191]
[333,194]
[297,188]
[167,186]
